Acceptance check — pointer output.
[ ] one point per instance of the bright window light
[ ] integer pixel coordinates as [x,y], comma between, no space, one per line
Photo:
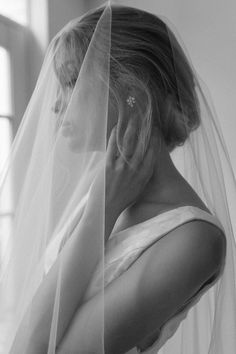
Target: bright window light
[15,10]
[6,198]
[6,205]
[5,89]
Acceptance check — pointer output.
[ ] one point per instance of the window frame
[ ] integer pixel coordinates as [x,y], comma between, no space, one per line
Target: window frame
[15,39]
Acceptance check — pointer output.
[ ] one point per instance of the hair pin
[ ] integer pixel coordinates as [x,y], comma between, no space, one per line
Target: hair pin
[131,101]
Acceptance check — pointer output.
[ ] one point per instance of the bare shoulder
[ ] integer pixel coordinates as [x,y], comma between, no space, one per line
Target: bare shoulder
[205,227]
[189,255]
[201,232]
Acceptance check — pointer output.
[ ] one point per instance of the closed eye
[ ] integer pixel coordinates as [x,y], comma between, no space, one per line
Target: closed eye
[57,107]
[63,98]
[71,83]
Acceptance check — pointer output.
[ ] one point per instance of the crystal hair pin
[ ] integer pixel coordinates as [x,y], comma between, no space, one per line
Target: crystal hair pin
[131,101]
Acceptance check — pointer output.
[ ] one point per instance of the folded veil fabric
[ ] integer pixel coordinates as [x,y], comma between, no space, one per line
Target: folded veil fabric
[56,156]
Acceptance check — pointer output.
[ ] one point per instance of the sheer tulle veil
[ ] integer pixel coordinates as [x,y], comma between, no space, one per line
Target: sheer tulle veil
[51,173]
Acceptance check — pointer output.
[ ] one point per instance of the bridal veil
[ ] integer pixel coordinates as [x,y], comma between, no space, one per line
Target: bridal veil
[60,148]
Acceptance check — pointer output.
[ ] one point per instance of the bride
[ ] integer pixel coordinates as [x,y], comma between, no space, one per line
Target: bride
[164,232]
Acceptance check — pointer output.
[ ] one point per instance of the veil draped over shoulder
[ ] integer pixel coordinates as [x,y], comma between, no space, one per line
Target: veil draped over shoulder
[58,152]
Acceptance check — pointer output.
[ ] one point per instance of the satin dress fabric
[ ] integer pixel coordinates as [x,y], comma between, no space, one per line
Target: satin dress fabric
[123,248]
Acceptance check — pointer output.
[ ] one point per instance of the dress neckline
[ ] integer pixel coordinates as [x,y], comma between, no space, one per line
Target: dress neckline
[164,213]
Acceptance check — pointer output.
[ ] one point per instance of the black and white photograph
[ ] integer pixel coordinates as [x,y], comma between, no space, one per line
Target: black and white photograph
[117,177]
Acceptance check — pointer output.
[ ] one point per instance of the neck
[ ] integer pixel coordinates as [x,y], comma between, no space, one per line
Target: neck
[163,187]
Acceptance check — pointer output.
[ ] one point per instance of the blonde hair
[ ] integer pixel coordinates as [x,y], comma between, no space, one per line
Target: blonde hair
[142,59]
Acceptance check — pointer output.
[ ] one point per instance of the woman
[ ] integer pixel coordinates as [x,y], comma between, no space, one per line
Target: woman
[130,64]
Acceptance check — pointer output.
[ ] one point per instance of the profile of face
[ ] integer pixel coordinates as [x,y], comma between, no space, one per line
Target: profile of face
[85,124]
[78,106]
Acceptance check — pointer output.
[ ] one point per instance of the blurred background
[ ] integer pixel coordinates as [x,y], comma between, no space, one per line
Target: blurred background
[207,28]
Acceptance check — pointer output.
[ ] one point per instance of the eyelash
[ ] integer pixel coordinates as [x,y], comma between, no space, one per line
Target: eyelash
[59,101]
[57,107]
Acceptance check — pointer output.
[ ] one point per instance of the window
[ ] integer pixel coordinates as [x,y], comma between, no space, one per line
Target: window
[6,211]
[13,100]
[14,96]
[5,98]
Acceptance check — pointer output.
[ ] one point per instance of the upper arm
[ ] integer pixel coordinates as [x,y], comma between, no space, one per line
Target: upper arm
[139,301]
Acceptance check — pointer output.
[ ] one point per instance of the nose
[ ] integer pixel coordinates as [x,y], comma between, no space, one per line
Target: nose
[59,109]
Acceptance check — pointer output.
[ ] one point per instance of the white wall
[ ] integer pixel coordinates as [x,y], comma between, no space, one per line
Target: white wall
[208,29]
[62,11]
[47,17]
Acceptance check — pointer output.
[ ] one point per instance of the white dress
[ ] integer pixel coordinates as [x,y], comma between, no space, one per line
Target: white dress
[124,247]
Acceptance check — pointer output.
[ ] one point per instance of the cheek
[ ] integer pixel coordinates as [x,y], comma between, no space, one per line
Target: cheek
[75,140]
